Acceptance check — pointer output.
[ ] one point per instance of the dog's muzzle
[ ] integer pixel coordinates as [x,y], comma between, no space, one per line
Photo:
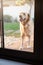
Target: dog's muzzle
[22,18]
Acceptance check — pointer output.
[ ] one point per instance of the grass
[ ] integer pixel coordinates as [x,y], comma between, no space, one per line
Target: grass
[11,26]
[13,34]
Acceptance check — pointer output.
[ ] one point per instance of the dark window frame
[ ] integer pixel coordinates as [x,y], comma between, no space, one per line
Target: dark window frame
[22,55]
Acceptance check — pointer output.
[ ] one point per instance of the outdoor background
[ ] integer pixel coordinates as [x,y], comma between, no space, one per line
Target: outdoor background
[11,11]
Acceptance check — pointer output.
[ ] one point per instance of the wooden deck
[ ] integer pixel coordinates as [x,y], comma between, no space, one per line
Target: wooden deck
[15,43]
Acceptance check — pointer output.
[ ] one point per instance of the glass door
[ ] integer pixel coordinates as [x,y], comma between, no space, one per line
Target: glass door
[18,18]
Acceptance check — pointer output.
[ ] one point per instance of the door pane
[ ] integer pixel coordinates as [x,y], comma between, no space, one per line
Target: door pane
[18,18]
[0,22]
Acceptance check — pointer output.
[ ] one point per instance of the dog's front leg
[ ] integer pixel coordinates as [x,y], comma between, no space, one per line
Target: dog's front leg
[22,40]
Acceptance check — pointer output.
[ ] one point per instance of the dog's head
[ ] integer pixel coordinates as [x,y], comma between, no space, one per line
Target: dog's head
[24,17]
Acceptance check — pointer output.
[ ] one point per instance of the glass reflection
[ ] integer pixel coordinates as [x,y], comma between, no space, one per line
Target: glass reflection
[16,34]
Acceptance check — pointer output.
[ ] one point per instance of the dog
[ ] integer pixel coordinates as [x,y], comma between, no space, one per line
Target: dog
[24,19]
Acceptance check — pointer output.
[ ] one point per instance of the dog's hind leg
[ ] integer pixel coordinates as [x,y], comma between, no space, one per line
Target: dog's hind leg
[28,43]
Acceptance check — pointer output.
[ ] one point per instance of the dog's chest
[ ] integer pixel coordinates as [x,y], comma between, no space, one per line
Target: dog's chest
[24,28]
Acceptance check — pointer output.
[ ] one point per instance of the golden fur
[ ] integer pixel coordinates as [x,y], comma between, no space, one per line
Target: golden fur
[24,27]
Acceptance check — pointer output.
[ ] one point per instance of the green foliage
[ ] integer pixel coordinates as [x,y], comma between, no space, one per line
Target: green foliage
[15,20]
[28,1]
[11,26]
[7,18]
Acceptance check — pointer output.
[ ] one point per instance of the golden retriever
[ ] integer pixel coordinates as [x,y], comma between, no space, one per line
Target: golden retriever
[24,19]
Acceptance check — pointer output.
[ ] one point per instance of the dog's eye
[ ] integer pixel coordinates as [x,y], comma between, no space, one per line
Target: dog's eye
[28,15]
[20,16]
[24,13]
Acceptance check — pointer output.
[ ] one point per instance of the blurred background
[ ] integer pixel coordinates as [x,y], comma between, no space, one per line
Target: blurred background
[11,11]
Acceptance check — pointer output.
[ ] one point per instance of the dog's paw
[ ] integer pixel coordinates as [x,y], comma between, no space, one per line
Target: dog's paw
[28,46]
[21,48]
